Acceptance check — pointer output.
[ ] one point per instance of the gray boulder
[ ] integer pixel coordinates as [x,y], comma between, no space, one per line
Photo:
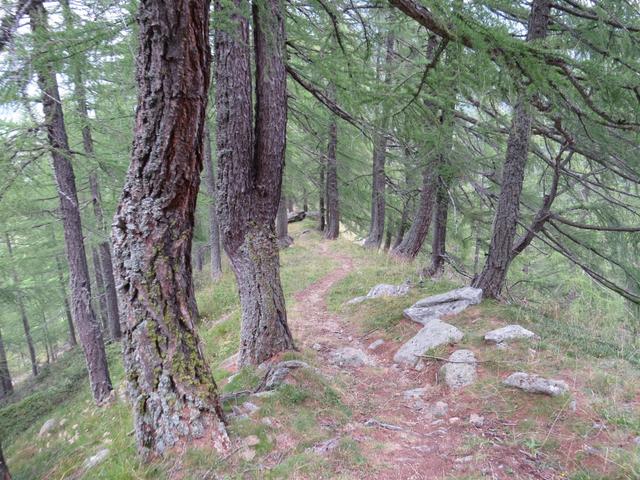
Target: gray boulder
[386,290]
[96,459]
[510,332]
[276,374]
[356,300]
[468,294]
[47,427]
[460,370]
[449,303]
[351,357]
[432,335]
[536,384]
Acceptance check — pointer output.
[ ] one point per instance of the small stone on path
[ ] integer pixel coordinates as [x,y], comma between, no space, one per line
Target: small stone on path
[432,335]
[414,393]
[460,370]
[476,420]
[351,357]
[439,409]
[376,344]
[510,332]
[536,384]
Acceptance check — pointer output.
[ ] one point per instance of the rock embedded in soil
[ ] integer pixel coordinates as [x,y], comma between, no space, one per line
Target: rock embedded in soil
[508,333]
[376,344]
[460,370]
[536,384]
[433,334]
[278,373]
[449,303]
[414,393]
[351,357]
[476,420]
[382,290]
[439,409]
[96,459]
[325,447]
[468,294]
[47,427]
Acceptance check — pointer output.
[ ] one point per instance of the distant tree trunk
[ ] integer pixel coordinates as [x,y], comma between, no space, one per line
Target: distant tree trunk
[332,228]
[4,470]
[438,244]
[402,225]
[387,238]
[67,310]
[282,225]
[104,249]
[322,192]
[379,180]
[412,241]
[102,302]
[305,200]
[492,278]
[21,307]
[175,396]
[214,228]
[250,163]
[85,321]
[6,385]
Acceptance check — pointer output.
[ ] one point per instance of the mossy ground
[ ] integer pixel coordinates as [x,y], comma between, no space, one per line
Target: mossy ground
[605,385]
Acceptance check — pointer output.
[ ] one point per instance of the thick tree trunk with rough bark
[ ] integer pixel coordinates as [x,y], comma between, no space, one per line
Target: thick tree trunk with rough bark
[413,239]
[492,278]
[332,227]
[6,385]
[175,398]
[4,469]
[282,225]
[214,225]
[85,321]
[22,308]
[250,163]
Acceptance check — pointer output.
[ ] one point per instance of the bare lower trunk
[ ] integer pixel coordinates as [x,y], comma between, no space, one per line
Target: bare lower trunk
[376,229]
[438,244]
[322,187]
[85,321]
[282,225]
[4,469]
[102,303]
[492,278]
[332,228]
[413,240]
[214,229]
[67,310]
[6,385]
[387,239]
[175,397]
[250,163]
[402,225]
[21,308]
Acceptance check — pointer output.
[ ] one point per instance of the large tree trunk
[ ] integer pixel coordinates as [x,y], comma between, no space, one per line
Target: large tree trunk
[22,308]
[4,470]
[438,244]
[250,163]
[85,320]
[282,225]
[492,278]
[6,385]
[67,310]
[104,249]
[175,396]
[214,228]
[412,240]
[379,180]
[332,228]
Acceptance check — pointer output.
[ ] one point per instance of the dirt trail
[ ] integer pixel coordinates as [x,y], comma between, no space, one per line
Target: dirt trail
[416,444]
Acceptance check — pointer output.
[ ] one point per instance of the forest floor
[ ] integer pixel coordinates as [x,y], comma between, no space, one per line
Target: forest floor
[339,421]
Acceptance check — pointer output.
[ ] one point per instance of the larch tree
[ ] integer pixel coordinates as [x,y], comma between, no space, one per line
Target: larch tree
[250,164]
[6,385]
[491,279]
[332,226]
[214,224]
[175,400]
[85,320]
[4,469]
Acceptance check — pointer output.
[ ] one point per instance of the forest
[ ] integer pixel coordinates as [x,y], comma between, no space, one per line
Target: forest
[341,239]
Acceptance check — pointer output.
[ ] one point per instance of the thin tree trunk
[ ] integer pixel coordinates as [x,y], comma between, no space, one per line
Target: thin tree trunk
[332,229]
[214,229]
[88,327]
[438,244]
[387,238]
[492,278]
[305,200]
[104,249]
[102,303]
[67,310]
[250,163]
[6,385]
[402,225]
[4,469]
[21,308]
[322,191]
[282,225]
[175,396]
